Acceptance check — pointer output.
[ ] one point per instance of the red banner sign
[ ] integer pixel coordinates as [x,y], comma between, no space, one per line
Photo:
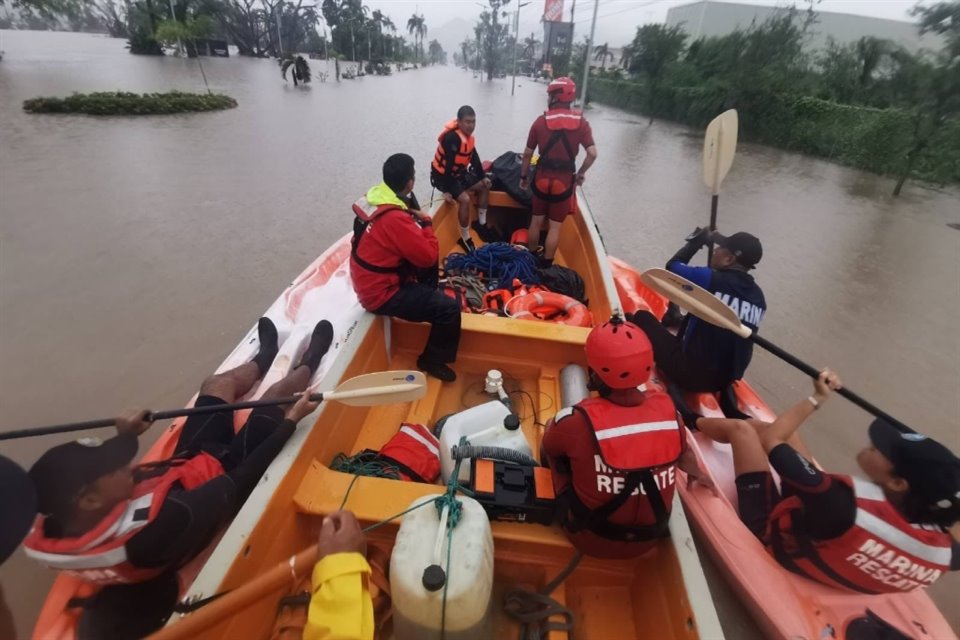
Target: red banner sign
[553,10]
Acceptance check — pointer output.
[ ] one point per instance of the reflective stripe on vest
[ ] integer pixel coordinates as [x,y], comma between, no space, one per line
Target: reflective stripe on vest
[880,553]
[635,437]
[563,119]
[464,154]
[100,555]
[417,452]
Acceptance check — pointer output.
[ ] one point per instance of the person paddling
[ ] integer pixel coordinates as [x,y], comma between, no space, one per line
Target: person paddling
[613,459]
[704,357]
[894,531]
[457,171]
[558,133]
[108,522]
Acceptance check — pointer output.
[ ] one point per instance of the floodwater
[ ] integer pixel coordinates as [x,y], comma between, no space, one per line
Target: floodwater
[135,251]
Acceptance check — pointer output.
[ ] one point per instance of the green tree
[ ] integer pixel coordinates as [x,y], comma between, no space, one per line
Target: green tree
[602,52]
[493,36]
[654,48]
[437,54]
[417,27]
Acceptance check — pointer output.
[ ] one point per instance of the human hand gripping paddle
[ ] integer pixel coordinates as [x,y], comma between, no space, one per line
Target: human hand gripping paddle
[709,308]
[719,147]
[366,390]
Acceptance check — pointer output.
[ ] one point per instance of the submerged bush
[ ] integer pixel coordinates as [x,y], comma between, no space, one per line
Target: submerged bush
[119,103]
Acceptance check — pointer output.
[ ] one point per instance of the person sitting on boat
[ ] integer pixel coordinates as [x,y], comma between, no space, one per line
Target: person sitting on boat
[457,171]
[613,459]
[18,506]
[341,606]
[111,523]
[888,533]
[394,265]
[558,133]
[704,357]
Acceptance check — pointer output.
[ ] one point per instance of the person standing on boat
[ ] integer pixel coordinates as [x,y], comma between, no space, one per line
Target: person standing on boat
[704,357]
[457,171]
[111,523]
[394,262]
[613,459]
[558,133]
[888,533]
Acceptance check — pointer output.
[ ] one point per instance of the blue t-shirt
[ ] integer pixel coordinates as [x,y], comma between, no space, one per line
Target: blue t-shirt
[718,349]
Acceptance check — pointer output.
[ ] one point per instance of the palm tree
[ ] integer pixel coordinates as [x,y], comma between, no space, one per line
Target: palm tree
[417,27]
[602,52]
[300,72]
[436,52]
[530,48]
[626,56]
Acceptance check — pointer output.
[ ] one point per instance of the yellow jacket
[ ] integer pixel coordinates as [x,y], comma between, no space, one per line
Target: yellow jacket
[340,608]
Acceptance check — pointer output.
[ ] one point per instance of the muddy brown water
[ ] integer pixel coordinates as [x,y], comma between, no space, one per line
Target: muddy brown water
[135,251]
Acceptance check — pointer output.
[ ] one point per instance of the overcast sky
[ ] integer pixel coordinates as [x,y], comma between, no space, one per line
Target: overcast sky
[616,19]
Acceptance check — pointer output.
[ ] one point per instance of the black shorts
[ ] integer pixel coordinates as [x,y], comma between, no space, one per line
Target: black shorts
[454,185]
[213,433]
[757,495]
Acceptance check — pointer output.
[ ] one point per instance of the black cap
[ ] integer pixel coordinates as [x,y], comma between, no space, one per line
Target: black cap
[62,472]
[18,506]
[511,422]
[931,469]
[744,246]
[434,578]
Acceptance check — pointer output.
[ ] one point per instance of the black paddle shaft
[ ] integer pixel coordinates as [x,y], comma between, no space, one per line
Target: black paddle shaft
[153,416]
[714,201]
[814,373]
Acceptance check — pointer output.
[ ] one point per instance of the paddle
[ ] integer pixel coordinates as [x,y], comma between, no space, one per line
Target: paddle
[365,390]
[719,147]
[709,308]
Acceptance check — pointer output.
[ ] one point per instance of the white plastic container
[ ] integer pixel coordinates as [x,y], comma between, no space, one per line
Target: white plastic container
[417,610]
[482,425]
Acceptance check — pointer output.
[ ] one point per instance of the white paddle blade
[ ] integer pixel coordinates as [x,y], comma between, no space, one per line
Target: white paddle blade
[695,300]
[382,387]
[719,147]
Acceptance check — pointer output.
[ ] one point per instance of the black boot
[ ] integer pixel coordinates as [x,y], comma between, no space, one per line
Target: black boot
[267,334]
[320,343]
[686,413]
[437,370]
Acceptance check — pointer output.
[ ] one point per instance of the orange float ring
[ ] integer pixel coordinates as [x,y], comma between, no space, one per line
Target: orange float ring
[533,305]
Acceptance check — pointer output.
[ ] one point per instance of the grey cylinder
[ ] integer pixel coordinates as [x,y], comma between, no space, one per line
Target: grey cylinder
[573,385]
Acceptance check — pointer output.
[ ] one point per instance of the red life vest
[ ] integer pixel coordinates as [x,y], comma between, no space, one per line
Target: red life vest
[100,555]
[638,449]
[366,213]
[881,553]
[547,185]
[464,154]
[415,452]
[563,119]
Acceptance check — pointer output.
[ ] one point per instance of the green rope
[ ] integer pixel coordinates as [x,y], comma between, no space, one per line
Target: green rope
[365,463]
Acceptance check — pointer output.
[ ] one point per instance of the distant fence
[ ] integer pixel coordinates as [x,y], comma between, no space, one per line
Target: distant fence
[877,140]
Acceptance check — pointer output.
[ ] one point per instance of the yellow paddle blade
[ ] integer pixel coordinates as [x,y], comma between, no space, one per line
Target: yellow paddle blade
[381,387]
[695,300]
[719,147]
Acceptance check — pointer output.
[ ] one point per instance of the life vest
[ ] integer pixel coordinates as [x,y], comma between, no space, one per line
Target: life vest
[880,553]
[366,213]
[642,441]
[415,451]
[464,154]
[549,306]
[100,555]
[559,121]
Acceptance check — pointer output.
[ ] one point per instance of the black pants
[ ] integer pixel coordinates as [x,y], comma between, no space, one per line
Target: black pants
[419,302]
[684,371]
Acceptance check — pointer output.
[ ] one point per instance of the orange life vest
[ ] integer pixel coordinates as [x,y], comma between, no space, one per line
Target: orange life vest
[100,555]
[638,449]
[415,451]
[464,154]
[881,553]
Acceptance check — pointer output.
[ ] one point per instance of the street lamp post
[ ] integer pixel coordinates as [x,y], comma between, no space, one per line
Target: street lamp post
[279,37]
[516,38]
[586,64]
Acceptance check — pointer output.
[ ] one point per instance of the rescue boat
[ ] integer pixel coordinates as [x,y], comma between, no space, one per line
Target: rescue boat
[784,605]
[662,594]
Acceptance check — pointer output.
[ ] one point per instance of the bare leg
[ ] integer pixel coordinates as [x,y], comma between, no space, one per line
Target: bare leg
[533,234]
[553,239]
[233,384]
[794,440]
[748,453]
[294,382]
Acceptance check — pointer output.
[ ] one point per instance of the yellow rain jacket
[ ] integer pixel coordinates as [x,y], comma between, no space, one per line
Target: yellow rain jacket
[340,608]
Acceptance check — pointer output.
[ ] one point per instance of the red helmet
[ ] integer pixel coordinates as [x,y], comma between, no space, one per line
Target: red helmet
[620,354]
[562,90]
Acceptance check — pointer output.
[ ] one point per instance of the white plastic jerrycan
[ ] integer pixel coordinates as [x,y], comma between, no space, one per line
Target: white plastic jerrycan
[419,573]
[489,424]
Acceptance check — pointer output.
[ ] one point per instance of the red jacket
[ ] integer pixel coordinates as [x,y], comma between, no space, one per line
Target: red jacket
[393,239]
[592,448]
[100,555]
[880,553]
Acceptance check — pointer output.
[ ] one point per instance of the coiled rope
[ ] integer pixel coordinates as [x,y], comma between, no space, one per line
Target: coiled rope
[498,261]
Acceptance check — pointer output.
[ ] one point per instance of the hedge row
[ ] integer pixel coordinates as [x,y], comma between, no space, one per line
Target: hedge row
[118,103]
[877,140]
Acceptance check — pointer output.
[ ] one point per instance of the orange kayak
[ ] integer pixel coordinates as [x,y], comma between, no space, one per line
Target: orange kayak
[783,604]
